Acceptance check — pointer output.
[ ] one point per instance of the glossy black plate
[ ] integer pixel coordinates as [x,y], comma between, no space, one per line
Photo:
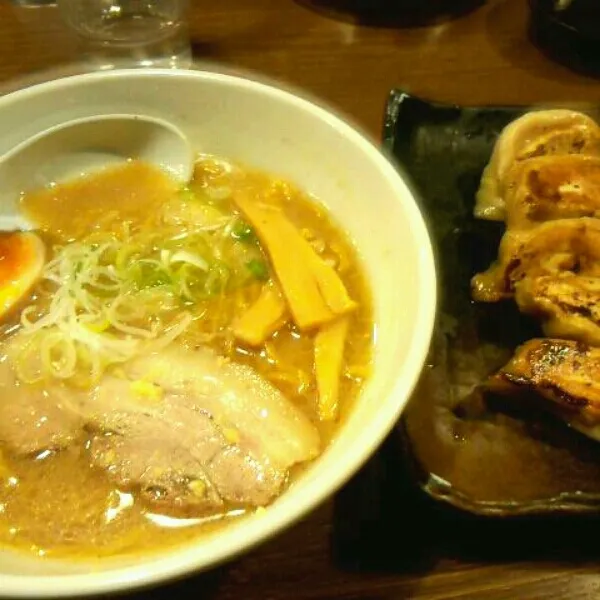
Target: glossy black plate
[483,455]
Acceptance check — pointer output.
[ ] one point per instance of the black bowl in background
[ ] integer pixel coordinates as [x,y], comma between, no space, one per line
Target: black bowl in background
[568,32]
[393,13]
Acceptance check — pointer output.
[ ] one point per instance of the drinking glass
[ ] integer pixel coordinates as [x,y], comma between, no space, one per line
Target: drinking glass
[131,33]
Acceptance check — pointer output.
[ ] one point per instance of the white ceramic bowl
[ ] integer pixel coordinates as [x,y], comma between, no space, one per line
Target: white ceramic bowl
[272,129]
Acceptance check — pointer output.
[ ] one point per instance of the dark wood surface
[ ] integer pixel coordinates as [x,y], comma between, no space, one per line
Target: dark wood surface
[378,539]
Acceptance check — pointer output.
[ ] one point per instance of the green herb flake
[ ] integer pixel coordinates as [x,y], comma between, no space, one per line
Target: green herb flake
[187,194]
[259,269]
[243,232]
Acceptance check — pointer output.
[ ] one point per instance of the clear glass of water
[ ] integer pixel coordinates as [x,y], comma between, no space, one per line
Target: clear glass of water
[131,33]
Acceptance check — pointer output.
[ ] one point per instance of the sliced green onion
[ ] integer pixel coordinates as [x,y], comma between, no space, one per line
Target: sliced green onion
[258,268]
[108,297]
[243,232]
[188,257]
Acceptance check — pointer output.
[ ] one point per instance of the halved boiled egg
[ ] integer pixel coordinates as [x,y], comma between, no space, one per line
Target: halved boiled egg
[22,257]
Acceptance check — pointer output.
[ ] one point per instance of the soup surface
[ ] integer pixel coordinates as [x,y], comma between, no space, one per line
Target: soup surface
[183,354]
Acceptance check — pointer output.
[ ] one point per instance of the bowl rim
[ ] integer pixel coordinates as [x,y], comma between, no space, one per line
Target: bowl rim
[189,560]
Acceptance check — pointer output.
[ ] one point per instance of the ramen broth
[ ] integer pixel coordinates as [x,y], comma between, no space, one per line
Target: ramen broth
[56,503]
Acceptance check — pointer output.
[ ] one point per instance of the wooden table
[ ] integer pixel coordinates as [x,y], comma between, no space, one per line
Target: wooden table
[377,539]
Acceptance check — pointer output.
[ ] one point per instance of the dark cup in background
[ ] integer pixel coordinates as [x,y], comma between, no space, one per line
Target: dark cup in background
[33,3]
[568,31]
[393,13]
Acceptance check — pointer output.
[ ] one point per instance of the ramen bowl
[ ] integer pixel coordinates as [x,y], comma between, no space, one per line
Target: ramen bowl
[272,129]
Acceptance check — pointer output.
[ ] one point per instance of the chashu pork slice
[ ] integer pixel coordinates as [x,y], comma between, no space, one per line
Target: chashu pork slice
[189,430]
[237,396]
[193,431]
[564,372]
[552,187]
[537,133]
[175,453]
[552,248]
[35,417]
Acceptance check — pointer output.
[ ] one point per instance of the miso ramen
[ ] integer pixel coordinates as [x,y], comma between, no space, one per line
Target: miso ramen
[170,358]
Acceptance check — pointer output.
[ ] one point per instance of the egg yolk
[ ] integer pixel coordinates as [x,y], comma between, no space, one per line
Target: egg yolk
[21,262]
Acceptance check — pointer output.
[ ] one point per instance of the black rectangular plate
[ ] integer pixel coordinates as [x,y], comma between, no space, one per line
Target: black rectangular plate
[530,463]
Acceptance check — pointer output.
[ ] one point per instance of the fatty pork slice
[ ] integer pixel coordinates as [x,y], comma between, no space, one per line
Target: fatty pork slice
[237,397]
[202,433]
[35,417]
[537,133]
